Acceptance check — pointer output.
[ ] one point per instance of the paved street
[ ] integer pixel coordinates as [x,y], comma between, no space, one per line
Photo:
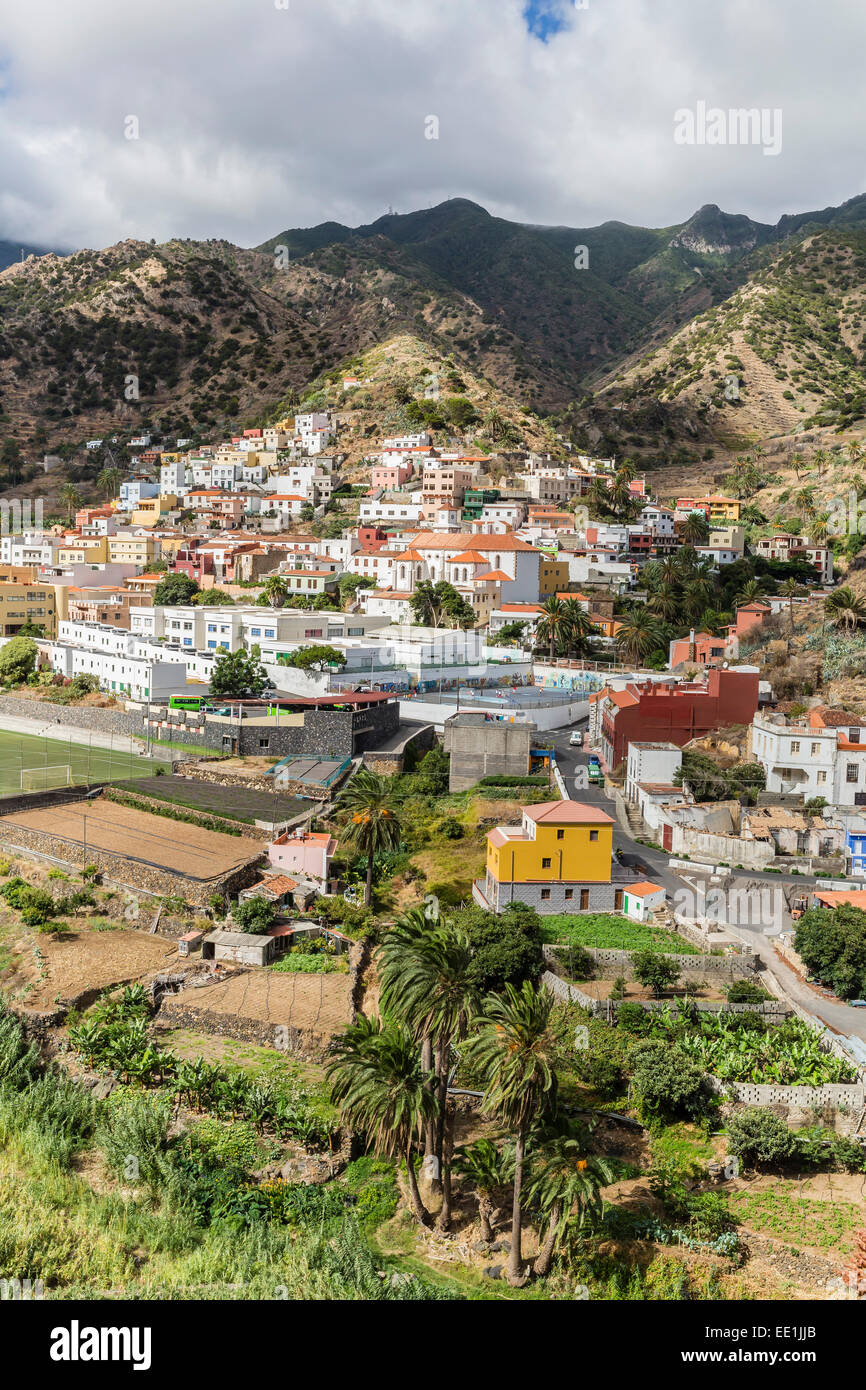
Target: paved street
[841,1018]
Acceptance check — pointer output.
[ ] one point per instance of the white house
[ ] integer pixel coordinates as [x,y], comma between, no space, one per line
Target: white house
[651,764]
[641,900]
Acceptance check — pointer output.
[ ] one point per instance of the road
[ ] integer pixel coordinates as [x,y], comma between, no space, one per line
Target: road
[841,1018]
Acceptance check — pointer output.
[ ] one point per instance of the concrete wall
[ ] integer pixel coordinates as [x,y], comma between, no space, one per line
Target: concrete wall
[609,964]
[481,748]
[727,849]
[544,717]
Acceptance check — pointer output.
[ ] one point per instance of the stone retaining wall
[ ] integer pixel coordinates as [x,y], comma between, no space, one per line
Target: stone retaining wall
[297,1042]
[129,873]
[605,1008]
[609,964]
[86,717]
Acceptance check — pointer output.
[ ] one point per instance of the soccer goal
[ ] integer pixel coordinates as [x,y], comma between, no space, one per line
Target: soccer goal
[40,779]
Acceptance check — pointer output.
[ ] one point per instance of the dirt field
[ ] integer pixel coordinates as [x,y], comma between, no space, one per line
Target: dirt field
[235,803]
[86,960]
[154,840]
[320,1003]
[600,989]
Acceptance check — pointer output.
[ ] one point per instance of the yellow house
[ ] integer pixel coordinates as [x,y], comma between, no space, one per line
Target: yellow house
[84,550]
[151,509]
[552,576]
[557,860]
[723,508]
[125,549]
[27,603]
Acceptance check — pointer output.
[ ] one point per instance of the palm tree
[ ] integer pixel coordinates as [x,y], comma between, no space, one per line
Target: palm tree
[750,592]
[376,1080]
[373,827]
[425,983]
[552,624]
[697,594]
[626,470]
[789,588]
[752,515]
[712,621]
[109,480]
[578,627]
[276,591]
[665,603]
[805,500]
[514,1052]
[651,575]
[695,529]
[818,527]
[598,494]
[638,635]
[484,1166]
[845,609]
[564,1184]
[620,496]
[71,497]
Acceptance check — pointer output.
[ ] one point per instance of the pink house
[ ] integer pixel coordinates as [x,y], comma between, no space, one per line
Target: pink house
[304,852]
[391,474]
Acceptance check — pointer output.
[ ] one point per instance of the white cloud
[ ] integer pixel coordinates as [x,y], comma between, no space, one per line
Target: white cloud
[254,118]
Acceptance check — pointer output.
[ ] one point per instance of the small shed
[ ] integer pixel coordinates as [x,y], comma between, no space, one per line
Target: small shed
[241,947]
[641,900]
[189,942]
[289,934]
[282,891]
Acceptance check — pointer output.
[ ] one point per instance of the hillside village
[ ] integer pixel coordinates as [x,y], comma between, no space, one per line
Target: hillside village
[338,759]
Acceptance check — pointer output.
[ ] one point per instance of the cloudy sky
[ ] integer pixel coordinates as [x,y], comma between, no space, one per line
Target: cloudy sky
[257,115]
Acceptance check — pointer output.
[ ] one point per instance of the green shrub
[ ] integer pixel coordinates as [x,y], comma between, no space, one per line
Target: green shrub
[634,1019]
[760,1137]
[745,992]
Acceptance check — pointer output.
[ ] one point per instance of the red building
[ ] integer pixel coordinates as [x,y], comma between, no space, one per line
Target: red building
[668,712]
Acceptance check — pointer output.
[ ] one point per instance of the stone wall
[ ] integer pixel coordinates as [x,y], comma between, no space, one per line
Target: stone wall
[87,717]
[610,964]
[297,1042]
[569,993]
[391,762]
[129,872]
[325,733]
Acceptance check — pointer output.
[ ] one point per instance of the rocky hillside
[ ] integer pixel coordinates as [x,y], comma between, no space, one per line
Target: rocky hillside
[627,332]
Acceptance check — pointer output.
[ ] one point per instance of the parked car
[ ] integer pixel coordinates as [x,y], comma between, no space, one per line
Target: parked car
[857,1003]
[576,739]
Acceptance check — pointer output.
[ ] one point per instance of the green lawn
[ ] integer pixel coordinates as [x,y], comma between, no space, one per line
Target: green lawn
[46,760]
[609,932]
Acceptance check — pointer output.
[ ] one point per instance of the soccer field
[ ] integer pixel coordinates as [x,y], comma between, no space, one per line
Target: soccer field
[29,762]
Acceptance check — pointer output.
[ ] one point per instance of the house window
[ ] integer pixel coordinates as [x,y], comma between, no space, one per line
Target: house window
[822,776]
[264,742]
[593,834]
[545,894]
[545,863]
[795,746]
[569,894]
[815,749]
[852,773]
[560,834]
[854,735]
[584,899]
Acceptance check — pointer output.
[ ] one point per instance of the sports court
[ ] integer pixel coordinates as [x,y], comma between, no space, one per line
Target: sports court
[31,763]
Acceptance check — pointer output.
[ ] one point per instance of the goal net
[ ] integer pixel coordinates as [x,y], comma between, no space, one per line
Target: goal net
[39,779]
